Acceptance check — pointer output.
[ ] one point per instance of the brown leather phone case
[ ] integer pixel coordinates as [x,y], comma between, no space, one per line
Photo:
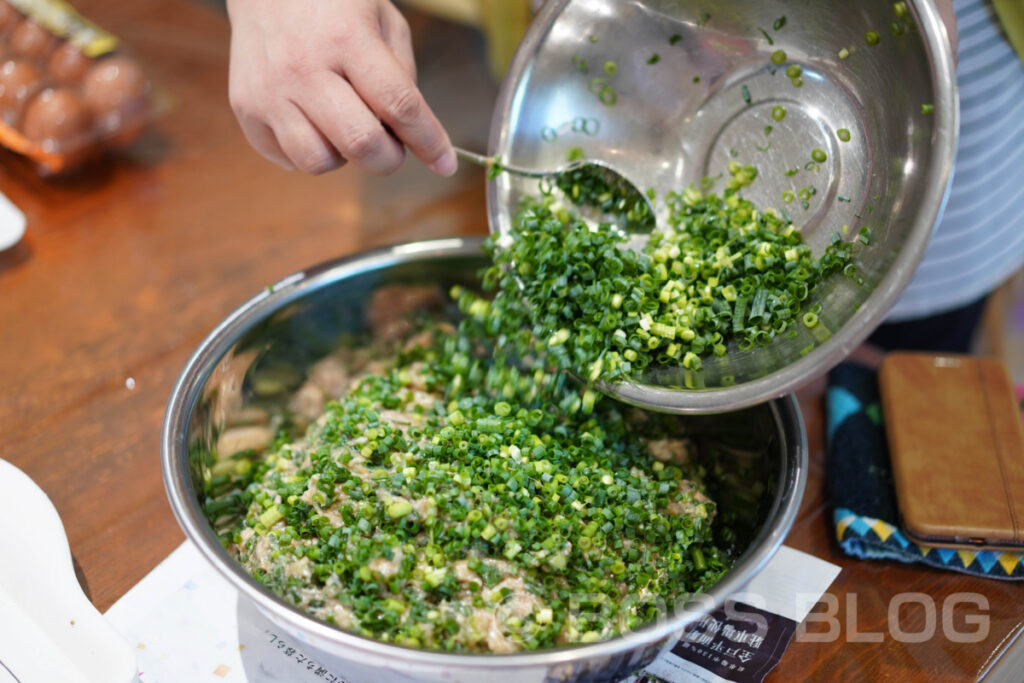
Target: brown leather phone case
[957,447]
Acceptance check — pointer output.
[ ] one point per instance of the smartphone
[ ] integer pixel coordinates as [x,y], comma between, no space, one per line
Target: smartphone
[956,441]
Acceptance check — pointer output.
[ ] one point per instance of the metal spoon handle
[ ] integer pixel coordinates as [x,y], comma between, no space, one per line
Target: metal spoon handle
[487,162]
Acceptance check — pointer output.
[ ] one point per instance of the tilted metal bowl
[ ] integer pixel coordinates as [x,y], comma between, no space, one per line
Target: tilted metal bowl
[760,464]
[694,88]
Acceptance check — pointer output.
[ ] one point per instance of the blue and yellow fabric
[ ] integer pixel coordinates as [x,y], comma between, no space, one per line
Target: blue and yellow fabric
[859,481]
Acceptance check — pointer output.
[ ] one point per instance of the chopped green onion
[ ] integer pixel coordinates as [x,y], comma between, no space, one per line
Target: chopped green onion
[271,517]
[608,97]
[512,468]
[399,508]
[698,558]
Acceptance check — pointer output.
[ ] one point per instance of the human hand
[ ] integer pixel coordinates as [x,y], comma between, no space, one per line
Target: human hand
[317,83]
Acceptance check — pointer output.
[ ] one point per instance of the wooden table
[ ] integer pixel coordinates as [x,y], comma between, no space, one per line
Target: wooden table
[124,270]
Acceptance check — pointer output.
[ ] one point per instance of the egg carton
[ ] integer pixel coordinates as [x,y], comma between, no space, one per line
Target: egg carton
[68,90]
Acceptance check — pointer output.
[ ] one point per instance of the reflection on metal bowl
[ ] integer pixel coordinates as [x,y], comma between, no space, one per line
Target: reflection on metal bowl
[695,88]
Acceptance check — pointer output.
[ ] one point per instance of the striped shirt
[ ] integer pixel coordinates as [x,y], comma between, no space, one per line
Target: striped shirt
[979,241]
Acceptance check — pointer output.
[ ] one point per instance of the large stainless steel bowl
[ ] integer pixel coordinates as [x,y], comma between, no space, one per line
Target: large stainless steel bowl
[759,467]
[666,131]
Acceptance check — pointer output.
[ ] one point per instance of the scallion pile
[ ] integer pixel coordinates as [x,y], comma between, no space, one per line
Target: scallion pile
[722,271]
[468,496]
[469,500]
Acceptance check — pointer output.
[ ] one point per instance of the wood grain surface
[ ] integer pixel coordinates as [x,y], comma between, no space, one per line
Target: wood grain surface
[126,268]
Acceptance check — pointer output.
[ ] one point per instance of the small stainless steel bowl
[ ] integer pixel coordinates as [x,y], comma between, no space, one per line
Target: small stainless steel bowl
[705,101]
[760,464]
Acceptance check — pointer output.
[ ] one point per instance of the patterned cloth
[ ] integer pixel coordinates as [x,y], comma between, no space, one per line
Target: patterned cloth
[860,487]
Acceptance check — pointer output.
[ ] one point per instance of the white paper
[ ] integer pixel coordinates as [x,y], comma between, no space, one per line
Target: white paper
[188,624]
[790,584]
[12,227]
[49,631]
[5,675]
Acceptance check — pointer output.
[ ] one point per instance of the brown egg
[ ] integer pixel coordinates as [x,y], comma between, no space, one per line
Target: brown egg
[30,39]
[115,90]
[58,119]
[19,78]
[8,16]
[67,64]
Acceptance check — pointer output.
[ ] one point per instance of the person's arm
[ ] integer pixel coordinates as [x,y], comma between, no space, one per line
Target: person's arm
[948,17]
[318,83]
